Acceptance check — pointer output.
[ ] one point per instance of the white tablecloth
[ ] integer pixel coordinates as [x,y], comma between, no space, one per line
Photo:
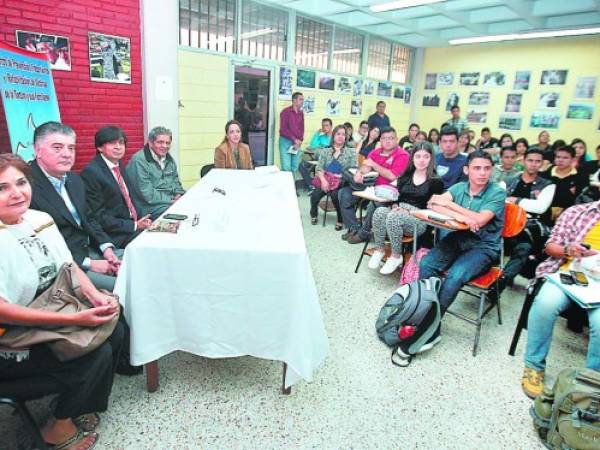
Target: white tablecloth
[239,283]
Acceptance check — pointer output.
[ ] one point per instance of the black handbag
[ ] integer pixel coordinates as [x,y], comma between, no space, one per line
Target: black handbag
[348,180]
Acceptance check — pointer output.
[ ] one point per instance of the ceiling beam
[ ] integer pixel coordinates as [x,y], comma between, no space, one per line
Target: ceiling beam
[525,10]
[459,17]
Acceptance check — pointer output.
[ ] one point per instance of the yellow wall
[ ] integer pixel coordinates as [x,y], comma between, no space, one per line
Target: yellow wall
[580,56]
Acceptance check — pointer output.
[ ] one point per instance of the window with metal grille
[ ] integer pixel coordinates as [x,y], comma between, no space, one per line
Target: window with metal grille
[400,64]
[347,51]
[313,40]
[378,62]
[263,31]
[208,24]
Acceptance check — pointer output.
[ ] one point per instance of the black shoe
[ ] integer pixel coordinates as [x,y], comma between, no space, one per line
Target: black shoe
[347,234]
[357,239]
[124,368]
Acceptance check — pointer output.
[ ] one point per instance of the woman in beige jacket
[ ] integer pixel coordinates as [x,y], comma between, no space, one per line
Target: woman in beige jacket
[232,153]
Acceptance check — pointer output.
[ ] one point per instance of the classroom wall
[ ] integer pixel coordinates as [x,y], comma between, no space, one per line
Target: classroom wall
[580,56]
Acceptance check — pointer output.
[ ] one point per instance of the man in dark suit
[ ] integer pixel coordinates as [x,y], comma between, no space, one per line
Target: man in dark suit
[108,188]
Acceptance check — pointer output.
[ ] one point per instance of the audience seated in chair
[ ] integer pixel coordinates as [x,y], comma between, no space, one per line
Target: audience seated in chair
[232,153]
[449,163]
[408,141]
[320,140]
[505,172]
[369,143]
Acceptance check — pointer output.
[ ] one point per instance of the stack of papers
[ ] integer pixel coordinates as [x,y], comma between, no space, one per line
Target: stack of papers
[585,296]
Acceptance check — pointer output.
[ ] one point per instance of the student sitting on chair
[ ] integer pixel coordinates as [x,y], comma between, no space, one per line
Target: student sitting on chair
[320,140]
[232,153]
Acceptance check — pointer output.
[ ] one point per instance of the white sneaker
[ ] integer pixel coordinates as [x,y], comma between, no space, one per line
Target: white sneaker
[375,259]
[430,345]
[391,265]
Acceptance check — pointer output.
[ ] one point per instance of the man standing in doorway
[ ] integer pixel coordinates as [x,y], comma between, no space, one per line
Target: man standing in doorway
[291,133]
[379,118]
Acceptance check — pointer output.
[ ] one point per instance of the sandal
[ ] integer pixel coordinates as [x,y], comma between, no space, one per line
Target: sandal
[87,422]
[339,226]
[76,439]
[313,220]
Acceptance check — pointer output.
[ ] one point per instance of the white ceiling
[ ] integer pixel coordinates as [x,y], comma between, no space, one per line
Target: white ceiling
[433,25]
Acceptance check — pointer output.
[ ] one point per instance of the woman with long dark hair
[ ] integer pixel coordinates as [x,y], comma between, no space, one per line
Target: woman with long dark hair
[232,153]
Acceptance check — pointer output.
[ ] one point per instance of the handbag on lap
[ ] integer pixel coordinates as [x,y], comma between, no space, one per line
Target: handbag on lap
[333,175]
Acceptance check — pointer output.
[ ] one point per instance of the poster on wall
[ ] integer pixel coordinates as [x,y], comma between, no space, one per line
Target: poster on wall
[580,111]
[469,78]
[479,98]
[110,58]
[430,80]
[56,48]
[494,79]
[477,116]
[384,89]
[452,100]
[554,77]
[327,82]
[356,108]
[549,100]
[522,78]
[306,78]
[431,100]
[544,119]
[285,83]
[308,106]
[407,94]
[344,85]
[399,92]
[332,107]
[585,87]
[510,122]
[445,79]
[369,88]
[357,90]
[513,103]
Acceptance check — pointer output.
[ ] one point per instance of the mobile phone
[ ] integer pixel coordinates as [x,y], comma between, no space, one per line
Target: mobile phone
[566,279]
[580,278]
[175,216]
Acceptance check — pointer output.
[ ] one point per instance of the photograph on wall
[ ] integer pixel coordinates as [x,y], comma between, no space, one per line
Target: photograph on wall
[357,91]
[384,89]
[522,78]
[479,98]
[285,83]
[452,100]
[306,78]
[585,87]
[554,77]
[430,80]
[332,107]
[344,85]
[327,82]
[110,58]
[513,103]
[549,100]
[510,122]
[494,79]
[407,94]
[580,111]
[399,92]
[356,108]
[469,78]
[369,88]
[56,48]
[445,79]
[544,119]
[308,107]
[476,116]
[431,100]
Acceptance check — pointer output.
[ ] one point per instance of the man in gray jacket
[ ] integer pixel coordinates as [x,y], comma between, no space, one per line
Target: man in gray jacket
[153,172]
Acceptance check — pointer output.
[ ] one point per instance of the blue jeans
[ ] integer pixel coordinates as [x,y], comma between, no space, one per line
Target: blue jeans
[548,304]
[289,163]
[459,253]
[347,206]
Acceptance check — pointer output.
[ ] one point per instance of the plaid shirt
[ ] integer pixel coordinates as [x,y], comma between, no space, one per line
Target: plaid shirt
[572,226]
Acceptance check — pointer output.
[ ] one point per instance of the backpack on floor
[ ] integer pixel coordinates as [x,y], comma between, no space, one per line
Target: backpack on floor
[410,317]
[567,417]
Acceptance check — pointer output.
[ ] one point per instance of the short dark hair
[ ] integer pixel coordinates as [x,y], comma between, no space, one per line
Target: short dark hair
[384,130]
[297,94]
[479,154]
[380,102]
[363,122]
[454,107]
[414,125]
[486,129]
[447,131]
[348,125]
[107,134]
[11,160]
[522,141]
[50,128]
[534,150]
[507,148]
[566,148]
[558,144]
[327,119]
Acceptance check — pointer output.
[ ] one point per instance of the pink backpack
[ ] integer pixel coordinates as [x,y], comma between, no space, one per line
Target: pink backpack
[410,272]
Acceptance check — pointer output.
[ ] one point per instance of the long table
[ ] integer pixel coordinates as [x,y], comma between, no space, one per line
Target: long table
[237,283]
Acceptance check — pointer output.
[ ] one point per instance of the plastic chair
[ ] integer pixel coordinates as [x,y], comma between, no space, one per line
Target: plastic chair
[205,169]
[480,287]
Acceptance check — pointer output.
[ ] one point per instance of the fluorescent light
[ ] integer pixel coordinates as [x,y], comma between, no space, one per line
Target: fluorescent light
[522,36]
[401,4]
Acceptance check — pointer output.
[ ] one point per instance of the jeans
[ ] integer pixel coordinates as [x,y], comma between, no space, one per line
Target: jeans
[519,251]
[289,162]
[461,254]
[305,168]
[347,205]
[548,304]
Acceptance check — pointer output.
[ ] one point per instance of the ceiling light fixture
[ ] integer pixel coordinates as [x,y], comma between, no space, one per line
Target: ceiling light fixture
[401,4]
[523,36]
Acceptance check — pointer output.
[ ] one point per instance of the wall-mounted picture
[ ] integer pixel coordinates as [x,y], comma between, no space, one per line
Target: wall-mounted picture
[369,88]
[431,100]
[407,94]
[56,48]
[554,77]
[308,107]
[549,100]
[469,78]
[513,103]
[344,85]
[430,80]
[306,78]
[285,83]
[476,116]
[479,98]
[580,111]
[399,92]
[522,79]
[110,58]
[332,107]
[452,100]
[384,89]
[356,108]
[544,119]
[510,122]
[445,79]
[327,82]
[357,91]
[585,87]
[493,79]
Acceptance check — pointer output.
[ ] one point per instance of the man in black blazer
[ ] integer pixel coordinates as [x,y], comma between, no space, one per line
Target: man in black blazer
[108,188]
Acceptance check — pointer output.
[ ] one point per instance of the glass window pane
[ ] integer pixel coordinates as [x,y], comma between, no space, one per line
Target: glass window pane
[264,31]
[400,64]
[378,63]
[208,24]
[347,51]
[312,43]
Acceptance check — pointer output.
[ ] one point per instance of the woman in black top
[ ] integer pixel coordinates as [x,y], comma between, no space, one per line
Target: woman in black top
[415,188]
[369,143]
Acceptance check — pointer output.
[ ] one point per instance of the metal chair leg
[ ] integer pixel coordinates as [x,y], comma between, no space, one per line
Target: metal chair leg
[498,306]
[362,255]
[478,324]
[326,208]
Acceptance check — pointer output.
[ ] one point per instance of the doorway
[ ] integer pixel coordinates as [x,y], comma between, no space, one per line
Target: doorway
[251,108]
